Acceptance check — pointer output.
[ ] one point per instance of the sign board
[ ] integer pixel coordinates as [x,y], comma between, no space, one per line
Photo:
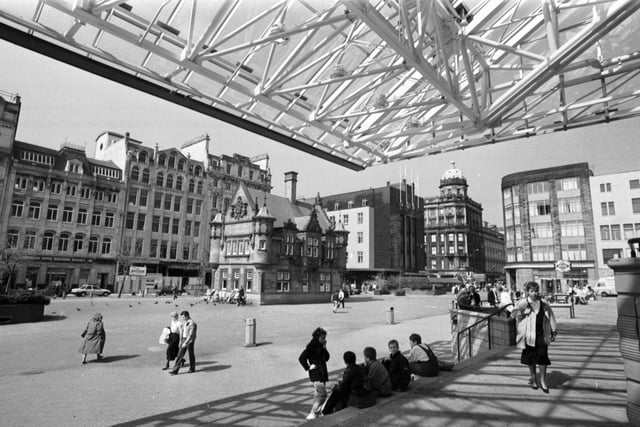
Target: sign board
[563,266]
[137,271]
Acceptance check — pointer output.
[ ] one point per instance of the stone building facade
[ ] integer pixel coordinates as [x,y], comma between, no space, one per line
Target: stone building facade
[279,249]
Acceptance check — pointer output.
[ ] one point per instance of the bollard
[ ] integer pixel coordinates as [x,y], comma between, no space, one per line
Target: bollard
[627,282]
[250,332]
[390,316]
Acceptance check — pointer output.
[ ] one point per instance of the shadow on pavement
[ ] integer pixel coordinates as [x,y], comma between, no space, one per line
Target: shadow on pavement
[110,359]
[52,317]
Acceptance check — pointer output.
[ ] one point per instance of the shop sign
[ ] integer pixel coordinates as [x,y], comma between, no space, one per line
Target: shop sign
[137,271]
[563,266]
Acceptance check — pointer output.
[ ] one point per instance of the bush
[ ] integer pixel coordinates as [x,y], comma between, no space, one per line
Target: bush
[399,293]
[25,297]
[385,291]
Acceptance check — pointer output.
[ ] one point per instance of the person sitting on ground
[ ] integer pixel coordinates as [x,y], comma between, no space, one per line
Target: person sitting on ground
[422,360]
[377,376]
[351,391]
[398,367]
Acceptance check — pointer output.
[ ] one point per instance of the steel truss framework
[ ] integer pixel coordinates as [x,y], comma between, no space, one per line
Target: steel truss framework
[354,81]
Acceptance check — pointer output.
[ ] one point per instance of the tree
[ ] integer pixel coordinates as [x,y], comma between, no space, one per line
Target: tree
[10,260]
[125,261]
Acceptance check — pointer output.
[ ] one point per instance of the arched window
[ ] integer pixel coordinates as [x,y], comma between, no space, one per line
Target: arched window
[145,176]
[78,242]
[179,183]
[12,238]
[192,186]
[29,240]
[47,240]
[198,170]
[199,191]
[93,245]
[172,161]
[63,242]
[169,181]
[135,174]
[162,160]
[160,179]
[106,245]
[142,157]
[181,165]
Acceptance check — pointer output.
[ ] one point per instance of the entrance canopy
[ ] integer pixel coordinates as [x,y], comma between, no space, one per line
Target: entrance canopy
[358,82]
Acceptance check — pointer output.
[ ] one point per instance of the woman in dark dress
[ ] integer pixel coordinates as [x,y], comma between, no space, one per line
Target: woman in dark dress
[173,344]
[536,330]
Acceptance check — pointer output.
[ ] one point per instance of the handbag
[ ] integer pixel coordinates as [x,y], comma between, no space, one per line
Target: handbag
[164,335]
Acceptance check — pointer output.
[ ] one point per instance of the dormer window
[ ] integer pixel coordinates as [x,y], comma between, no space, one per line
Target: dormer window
[350,204]
[74,166]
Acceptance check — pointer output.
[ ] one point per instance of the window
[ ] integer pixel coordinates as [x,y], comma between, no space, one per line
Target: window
[82,216]
[325,282]
[12,239]
[162,160]
[145,176]
[350,204]
[142,201]
[63,242]
[109,219]
[199,189]
[133,195]
[187,228]
[345,220]
[541,231]
[608,208]
[568,184]
[167,202]
[29,240]
[434,238]
[569,205]
[131,216]
[635,205]
[634,184]
[224,277]
[135,173]
[169,181]
[153,248]
[47,241]
[175,226]
[98,196]
[67,214]
[360,257]
[179,183]
[312,246]
[17,206]
[540,208]
[282,281]
[71,190]
[196,228]
[194,251]
[160,179]
[262,245]
[189,206]
[173,252]
[360,217]
[365,202]
[181,164]
[576,252]
[615,232]
[163,248]
[573,228]
[155,223]
[336,206]
[192,186]
[34,210]
[21,183]
[538,187]
[542,253]
[172,161]
[198,207]
[177,201]
[628,231]
[78,242]
[112,197]
[460,237]
[106,245]
[608,254]
[165,224]
[605,187]
[141,219]
[360,236]
[93,245]
[56,187]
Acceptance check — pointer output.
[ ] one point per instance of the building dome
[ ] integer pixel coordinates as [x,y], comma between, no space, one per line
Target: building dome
[452,173]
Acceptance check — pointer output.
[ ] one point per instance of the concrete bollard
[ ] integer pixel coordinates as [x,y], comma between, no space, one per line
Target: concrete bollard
[390,316]
[250,332]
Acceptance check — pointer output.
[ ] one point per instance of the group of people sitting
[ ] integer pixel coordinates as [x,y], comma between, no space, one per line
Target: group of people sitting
[362,383]
[581,295]
[235,296]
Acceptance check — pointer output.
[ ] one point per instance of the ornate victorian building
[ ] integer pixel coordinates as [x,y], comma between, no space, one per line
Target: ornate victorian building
[280,250]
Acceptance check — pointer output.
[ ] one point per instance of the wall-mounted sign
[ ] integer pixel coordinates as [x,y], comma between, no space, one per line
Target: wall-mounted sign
[137,271]
[563,266]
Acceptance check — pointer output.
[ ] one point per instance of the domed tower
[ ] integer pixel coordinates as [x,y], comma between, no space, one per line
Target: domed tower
[453,183]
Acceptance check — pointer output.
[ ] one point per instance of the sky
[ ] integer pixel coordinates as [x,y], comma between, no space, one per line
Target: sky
[63,104]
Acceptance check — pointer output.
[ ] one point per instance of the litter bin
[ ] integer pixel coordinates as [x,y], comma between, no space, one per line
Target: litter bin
[250,332]
[390,316]
[627,282]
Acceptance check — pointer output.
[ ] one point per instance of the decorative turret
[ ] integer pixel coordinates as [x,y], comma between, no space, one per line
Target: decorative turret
[453,183]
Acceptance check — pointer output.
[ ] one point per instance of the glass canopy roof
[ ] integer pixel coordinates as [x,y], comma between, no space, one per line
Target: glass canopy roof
[358,82]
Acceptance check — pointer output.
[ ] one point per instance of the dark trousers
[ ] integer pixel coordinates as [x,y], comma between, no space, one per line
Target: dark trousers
[192,357]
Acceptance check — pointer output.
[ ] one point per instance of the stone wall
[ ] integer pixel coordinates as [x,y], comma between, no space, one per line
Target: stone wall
[476,341]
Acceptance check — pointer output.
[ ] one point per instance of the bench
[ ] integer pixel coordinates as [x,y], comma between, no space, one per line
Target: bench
[570,306]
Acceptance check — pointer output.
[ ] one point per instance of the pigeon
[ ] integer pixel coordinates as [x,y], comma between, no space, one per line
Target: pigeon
[177,305]
[130,306]
[139,303]
[78,309]
[156,302]
[191,304]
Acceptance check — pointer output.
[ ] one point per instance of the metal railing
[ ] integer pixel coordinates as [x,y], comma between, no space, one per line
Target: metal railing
[468,328]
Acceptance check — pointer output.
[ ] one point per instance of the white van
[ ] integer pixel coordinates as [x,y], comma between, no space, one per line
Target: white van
[606,286]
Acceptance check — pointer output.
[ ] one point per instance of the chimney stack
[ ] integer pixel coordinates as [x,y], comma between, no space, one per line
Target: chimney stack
[290,181]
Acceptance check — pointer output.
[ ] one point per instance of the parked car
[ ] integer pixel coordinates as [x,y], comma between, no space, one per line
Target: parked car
[169,291]
[85,290]
[606,286]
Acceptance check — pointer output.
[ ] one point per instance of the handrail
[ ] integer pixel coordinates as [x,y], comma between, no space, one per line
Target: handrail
[468,328]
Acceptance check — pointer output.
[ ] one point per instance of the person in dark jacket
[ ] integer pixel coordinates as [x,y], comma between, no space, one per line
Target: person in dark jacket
[351,391]
[314,360]
[492,296]
[475,297]
[398,367]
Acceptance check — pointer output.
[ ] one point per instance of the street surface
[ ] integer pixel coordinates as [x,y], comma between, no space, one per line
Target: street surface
[44,383]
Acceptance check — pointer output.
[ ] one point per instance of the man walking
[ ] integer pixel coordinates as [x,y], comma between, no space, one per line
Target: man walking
[341,297]
[187,343]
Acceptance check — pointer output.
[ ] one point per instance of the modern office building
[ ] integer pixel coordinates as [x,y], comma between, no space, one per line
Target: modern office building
[453,230]
[279,249]
[616,215]
[385,228]
[549,228]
